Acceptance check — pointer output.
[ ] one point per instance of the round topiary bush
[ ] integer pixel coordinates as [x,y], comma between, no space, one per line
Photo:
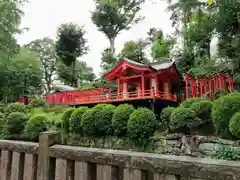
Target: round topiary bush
[183,120]
[203,110]
[189,102]
[142,124]
[98,120]
[14,107]
[66,117]
[234,125]
[165,115]
[15,123]
[36,103]
[35,125]
[120,118]
[75,126]
[223,110]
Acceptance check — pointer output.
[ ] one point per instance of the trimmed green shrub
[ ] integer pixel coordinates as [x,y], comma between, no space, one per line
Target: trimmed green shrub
[189,102]
[36,103]
[234,125]
[66,117]
[203,110]
[165,115]
[75,120]
[35,125]
[14,107]
[2,107]
[2,121]
[98,120]
[142,124]
[183,119]
[15,123]
[57,108]
[223,110]
[120,118]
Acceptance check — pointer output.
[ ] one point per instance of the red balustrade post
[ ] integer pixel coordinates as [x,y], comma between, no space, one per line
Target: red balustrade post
[118,93]
[187,91]
[201,89]
[143,84]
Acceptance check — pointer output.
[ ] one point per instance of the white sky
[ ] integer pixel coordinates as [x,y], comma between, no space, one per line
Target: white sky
[43,17]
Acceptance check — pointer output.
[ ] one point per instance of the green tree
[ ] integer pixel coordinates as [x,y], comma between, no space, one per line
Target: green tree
[83,73]
[112,17]
[70,45]
[47,55]
[108,60]
[135,51]
[161,46]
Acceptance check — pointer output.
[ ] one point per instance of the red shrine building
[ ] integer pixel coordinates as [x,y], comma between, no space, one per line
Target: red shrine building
[134,83]
[154,85]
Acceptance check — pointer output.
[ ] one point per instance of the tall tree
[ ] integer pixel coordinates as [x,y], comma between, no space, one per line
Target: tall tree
[70,45]
[160,45]
[108,60]
[83,74]
[135,51]
[47,55]
[112,17]
[21,75]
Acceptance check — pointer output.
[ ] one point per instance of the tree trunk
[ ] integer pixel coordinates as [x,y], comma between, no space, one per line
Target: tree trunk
[112,45]
[74,81]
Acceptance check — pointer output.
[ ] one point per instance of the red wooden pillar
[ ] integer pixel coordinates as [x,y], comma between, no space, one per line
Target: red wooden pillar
[201,89]
[143,84]
[150,85]
[209,85]
[118,82]
[157,86]
[205,85]
[187,91]
[230,81]
[193,87]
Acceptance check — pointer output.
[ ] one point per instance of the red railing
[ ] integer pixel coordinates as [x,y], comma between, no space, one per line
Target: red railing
[125,96]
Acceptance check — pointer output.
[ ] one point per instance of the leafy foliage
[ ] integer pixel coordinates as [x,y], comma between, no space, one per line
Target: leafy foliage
[203,110]
[234,125]
[165,115]
[70,45]
[15,123]
[183,119]
[75,125]
[223,110]
[36,103]
[120,118]
[35,125]
[142,124]
[66,118]
[112,17]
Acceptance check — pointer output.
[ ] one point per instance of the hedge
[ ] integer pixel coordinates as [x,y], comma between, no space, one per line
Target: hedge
[120,119]
[14,107]
[183,119]
[189,102]
[36,103]
[66,117]
[165,115]
[142,124]
[35,125]
[234,125]
[223,110]
[15,123]
[203,110]
[75,120]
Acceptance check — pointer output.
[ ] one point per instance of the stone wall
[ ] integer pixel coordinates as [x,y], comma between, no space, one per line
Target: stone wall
[175,144]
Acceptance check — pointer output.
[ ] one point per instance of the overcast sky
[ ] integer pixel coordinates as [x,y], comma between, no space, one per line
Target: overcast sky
[43,17]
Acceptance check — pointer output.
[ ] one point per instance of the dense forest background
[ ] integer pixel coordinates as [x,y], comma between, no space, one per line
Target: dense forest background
[34,67]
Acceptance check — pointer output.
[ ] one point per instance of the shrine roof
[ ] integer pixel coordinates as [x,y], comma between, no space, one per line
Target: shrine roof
[125,62]
[164,64]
